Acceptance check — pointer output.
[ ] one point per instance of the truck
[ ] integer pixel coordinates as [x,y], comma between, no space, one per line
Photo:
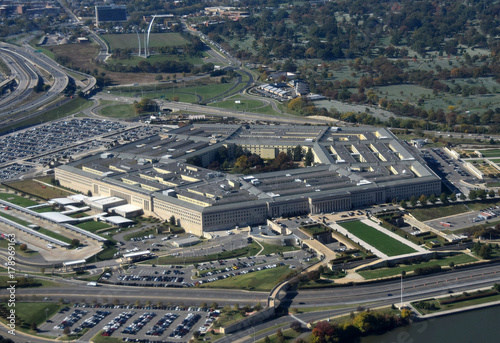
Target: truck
[92,284]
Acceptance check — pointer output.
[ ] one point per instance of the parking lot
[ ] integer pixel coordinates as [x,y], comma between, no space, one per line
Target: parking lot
[445,165]
[154,323]
[187,276]
[45,143]
[461,221]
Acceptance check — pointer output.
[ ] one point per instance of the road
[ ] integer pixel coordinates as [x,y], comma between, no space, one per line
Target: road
[348,298]
[59,81]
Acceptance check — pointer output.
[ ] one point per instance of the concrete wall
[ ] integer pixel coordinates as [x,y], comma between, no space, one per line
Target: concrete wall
[249,321]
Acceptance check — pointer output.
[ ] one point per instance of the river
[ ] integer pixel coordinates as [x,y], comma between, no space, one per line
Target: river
[480,325]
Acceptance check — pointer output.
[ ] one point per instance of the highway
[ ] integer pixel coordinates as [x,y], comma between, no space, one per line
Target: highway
[345,299]
[59,82]
[26,78]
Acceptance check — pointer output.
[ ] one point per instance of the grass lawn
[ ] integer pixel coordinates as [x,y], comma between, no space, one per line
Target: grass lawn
[192,94]
[263,280]
[93,226]
[386,272]
[315,229]
[490,152]
[129,40]
[244,105]
[135,60]
[428,213]
[14,219]
[54,235]
[377,239]
[34,312]
[271,248]
[103,339]
[17,200]
[460,304]
[289,335]
[123,111]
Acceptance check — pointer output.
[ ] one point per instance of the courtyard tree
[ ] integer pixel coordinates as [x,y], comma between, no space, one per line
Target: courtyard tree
[309,157]
[423,200]
[413,201]
[432,198]
[444,198]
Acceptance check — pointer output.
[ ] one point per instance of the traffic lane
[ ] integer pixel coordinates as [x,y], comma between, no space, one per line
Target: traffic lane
[189,296]
[364,292]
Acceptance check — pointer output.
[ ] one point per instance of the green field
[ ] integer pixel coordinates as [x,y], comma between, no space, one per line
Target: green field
[15,219]
[129,40]
[263,280]
[54,235]
[135,60]
[428,213]
[490,152]
[386,272]
[193,94]
[244,105]
[93,226]
[17,200]
[453,306]
[377,239]
[34,312]
[123,111]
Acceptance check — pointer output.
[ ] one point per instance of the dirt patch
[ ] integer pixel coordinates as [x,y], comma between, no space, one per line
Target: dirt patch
[41,190]
[81,57]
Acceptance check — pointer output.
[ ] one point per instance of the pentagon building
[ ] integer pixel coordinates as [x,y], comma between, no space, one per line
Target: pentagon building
[353,167]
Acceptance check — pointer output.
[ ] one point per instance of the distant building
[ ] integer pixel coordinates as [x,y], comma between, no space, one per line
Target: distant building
[110,13]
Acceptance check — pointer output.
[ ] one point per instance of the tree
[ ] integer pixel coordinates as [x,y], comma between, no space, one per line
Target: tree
[413,201]
[279,336]
[481,194]
[491,193]
[432,199]
[463,197]
[158,77]
[296,326]
[472,195]
[297,153]
[453,197]
[23,247]
[444,198]
[452,264]
[67,330]
[214,306]
[423,200]
[309,157]
[403,204]
[75,242]
[33,326]
[172,220]
[405,314]
[267,339]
